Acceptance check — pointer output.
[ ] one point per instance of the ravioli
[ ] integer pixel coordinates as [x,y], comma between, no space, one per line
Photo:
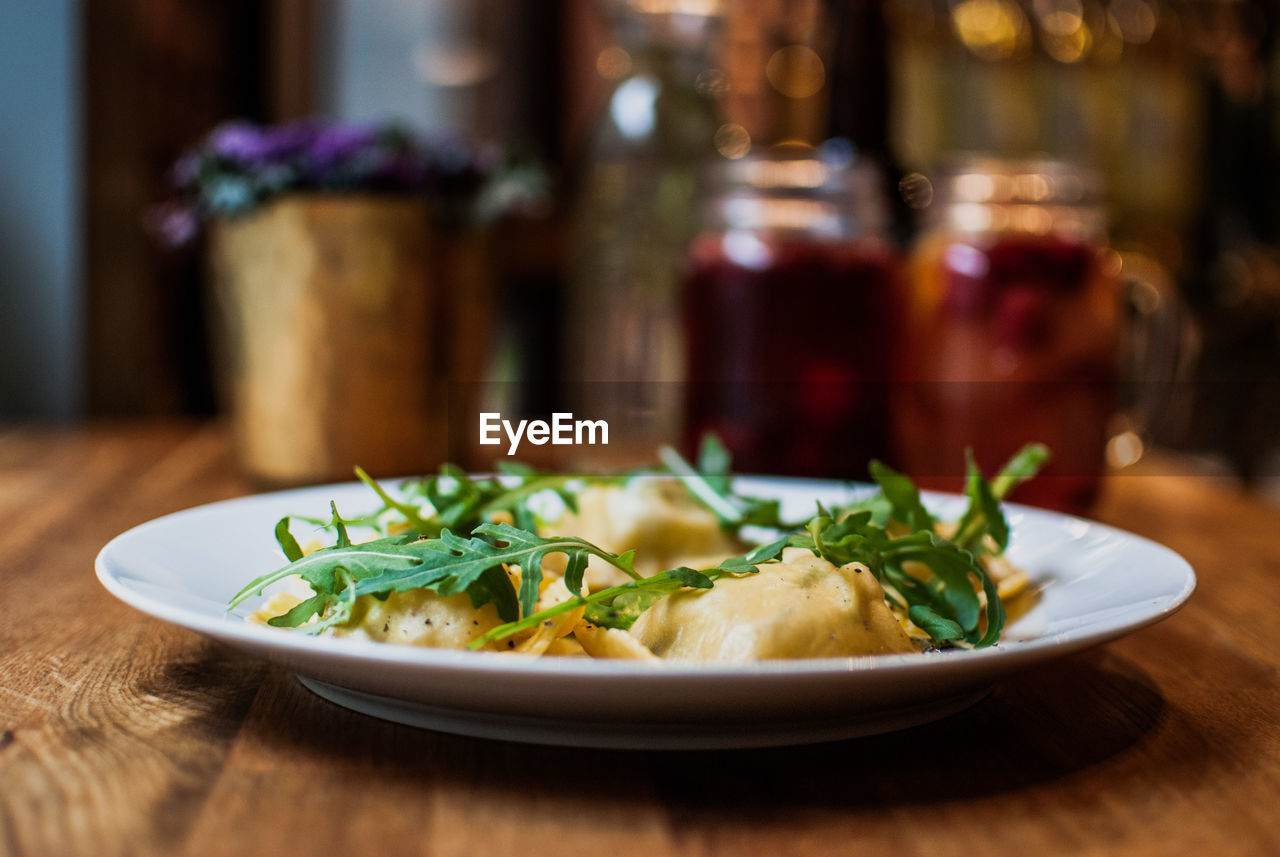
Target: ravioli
[421,617]
[655,517]
[418,617]
[796,605]
[801,607]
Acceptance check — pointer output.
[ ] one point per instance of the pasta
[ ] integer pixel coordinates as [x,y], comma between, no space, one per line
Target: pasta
[878,577]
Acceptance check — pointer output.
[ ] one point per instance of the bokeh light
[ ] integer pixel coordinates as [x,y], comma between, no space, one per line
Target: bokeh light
[991,29]
[732,140]
[796,71]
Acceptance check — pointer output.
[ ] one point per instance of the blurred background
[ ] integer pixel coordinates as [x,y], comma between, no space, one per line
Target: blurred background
[642,128]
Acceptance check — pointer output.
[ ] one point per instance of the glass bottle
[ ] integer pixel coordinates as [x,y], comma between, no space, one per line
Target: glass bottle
[637,212]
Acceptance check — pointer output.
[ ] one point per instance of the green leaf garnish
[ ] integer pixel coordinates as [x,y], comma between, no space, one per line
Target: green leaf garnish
[1024,464]
[726,506]
[711,484]
[448,565]
[411,514]
[287,542]
[937,627]
[456,547]
[903,497]
[715,463]
[619,606]
[918,570]
[454,500]
[984,517]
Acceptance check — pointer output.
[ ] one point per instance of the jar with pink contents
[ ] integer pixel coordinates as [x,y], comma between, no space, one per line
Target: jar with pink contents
[1012,329]
[789,303]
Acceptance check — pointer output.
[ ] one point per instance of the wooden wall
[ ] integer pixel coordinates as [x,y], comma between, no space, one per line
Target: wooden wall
[157,75]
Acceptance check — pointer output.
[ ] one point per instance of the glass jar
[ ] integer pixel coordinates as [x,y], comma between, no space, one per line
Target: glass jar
[789,310]
[1011,330]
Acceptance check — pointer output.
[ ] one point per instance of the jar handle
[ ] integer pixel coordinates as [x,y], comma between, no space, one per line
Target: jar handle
[1160,349]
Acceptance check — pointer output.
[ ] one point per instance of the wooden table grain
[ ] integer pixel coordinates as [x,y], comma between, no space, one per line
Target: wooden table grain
[121,735]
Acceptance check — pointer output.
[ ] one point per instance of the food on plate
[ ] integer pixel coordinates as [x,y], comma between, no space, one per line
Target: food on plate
[665,564]
[660,518]
[803,607]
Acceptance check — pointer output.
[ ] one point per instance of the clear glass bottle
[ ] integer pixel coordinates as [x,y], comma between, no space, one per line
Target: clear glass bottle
[789,309]
[638,210]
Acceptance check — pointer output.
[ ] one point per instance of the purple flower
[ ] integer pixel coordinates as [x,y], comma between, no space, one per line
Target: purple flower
[172,222]
[238,141]
[241,165]
[186,170]
[338,143]
[291,139]
[247,144]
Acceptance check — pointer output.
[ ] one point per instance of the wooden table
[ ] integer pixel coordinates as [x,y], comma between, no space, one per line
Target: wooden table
[122,735]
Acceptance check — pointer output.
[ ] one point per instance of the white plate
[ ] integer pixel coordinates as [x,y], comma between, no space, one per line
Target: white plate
[1098,583]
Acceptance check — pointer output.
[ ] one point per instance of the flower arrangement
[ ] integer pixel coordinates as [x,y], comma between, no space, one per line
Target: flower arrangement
[239,166]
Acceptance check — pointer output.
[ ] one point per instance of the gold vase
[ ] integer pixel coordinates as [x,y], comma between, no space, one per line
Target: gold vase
[327,308]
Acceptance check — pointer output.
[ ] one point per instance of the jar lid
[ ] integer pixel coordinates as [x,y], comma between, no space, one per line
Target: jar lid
[1018,181]
[674,22]
[1036,194]
[803,191]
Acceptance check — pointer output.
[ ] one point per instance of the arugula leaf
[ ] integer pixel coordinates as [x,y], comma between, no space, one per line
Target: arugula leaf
[921,570]
[287,542]
[460,502]
[932,577]
[574,571]
[321,568]
[691,577]
[711,484]
[411,513]
[622,605]
[448,565]
[984,517]
[903,497]
[724,505]
[619,606]
[715,463]
[996,616]
[494,587]
[301,612]
[877,505]
[344,540]
[625,608]
[514,499]
[936,626]
[951,568]
[1024,464]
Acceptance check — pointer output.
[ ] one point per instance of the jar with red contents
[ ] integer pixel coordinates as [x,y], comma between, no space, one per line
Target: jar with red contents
[1011,329]
[789,313]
